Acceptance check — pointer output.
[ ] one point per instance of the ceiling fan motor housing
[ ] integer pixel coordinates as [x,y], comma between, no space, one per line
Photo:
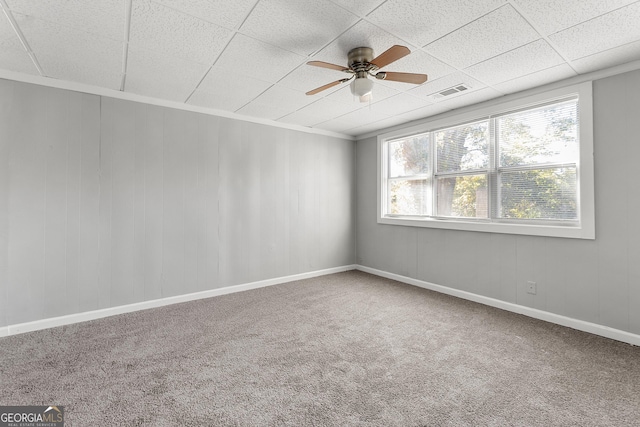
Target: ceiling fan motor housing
[360,60]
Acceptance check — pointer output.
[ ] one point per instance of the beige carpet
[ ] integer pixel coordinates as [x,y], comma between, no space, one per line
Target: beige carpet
[349,349]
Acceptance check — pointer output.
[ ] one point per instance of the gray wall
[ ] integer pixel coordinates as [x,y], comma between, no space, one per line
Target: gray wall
[105,202]
[596,281]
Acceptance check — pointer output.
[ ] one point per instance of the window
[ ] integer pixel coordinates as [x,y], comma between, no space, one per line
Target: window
[523,167]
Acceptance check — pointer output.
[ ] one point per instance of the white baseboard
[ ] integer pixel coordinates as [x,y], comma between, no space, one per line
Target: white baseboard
[106,312]
[580,325]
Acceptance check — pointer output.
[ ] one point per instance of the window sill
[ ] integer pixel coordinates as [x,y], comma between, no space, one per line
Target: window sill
[571,232]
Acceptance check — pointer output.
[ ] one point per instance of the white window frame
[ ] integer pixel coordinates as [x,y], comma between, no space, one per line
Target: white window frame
[583,228]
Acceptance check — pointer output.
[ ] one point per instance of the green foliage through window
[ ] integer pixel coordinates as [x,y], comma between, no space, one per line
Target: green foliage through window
[533,174]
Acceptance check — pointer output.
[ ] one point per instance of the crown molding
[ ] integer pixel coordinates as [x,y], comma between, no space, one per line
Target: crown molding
[100,91]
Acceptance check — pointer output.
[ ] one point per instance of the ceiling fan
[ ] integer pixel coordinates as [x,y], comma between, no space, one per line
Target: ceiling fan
[362,64]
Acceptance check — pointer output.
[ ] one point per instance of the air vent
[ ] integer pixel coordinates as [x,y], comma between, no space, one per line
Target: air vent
[451,91]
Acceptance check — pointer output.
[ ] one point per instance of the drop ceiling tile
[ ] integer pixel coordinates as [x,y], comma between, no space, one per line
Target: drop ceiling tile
[100,72]
[223,90]
[495,33]
[421,22]
[431,87]
[326,108]
[344,95]
[251,57]
[228,14]
[301,26]
[399,104]
[361,7]
[421,63]
[608,58]
[599,34]
[152,74]
[524,60]
[320,111]
[336,125]
[300,118]
[364,116]
[16,59]
[551,16]
[445,105]
[69,54]
[363,34]
[105,18]
[470,98]
[424,112]
[281,95]
[380,126]
[161,29]
[276,102]
[264,111]
[13,57]
[307,77]
[538,78]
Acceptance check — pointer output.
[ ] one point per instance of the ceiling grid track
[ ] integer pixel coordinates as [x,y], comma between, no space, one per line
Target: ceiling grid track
[125,44]
[544,36]
[23,40]
[235,31]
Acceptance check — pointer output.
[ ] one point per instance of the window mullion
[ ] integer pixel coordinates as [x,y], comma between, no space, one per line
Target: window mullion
[432,180]
[492,178]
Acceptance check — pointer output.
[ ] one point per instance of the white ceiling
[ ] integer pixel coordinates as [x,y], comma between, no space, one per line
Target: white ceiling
[248,56]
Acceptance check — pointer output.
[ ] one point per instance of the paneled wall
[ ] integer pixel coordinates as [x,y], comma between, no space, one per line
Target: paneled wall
[592,280]
[105,202]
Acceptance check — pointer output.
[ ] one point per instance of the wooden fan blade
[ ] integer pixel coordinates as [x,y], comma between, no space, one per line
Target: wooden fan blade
[327,65]
[327,86]
[402,77]
[390,55]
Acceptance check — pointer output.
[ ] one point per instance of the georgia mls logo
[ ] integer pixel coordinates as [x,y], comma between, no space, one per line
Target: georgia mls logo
[31,416]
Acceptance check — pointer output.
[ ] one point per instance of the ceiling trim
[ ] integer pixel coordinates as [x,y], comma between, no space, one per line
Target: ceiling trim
[100,91]
[594,75]
[95,90]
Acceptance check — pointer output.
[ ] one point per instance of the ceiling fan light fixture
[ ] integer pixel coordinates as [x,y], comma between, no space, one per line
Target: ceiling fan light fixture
[362,64]
[361,87]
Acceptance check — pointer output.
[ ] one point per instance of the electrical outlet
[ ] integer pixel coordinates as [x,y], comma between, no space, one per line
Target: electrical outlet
[531,288]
